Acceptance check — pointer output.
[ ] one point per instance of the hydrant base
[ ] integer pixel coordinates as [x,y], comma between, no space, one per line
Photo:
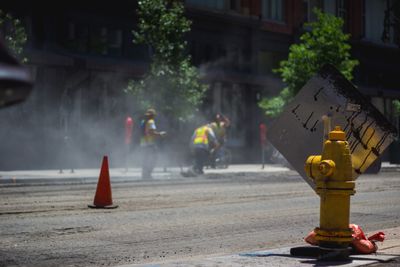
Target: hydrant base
[335,239]
[321,253]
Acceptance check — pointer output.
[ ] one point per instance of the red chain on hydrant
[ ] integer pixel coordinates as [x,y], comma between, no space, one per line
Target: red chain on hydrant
[360,243]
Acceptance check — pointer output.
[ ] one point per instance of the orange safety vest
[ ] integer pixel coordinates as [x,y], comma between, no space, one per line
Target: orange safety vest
[201,135]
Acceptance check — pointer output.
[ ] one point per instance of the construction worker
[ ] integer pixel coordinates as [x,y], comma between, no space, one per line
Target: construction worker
[202,142]
[148,143]
[219,126]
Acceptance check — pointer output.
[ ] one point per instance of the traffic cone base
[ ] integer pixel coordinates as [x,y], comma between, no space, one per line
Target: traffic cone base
[102,207]
[103,197]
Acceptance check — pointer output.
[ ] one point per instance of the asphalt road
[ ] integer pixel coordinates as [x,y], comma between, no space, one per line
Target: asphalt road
[182,218]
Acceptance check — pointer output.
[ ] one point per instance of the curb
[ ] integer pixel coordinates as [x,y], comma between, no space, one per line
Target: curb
[39,177]
[274,257]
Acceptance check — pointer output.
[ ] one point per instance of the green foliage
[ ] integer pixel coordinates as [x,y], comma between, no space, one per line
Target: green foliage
[325,43]
[14,35]
[274,106]
[162,25]
[396,107]
[175,92]
[172,84]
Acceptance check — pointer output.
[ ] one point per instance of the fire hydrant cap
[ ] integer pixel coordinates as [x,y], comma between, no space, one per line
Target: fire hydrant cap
[327,167]
[337,134]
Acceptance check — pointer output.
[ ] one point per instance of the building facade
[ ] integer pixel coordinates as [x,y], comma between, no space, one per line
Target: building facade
[81,56]
[238,39]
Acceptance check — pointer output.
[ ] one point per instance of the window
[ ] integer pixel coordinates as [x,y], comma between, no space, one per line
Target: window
[82,38]
[329,6]
[115,42]
[391,23]
[309,6]
[234,5]
[337,8]
[93,39]
[77,37]
[269,60]
[374,18]
[212,4]
[363,19]
[341,10]
[273,10]
[206,52]
[98,40]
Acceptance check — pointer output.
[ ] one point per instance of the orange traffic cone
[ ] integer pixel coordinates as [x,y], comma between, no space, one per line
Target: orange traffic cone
[103,197]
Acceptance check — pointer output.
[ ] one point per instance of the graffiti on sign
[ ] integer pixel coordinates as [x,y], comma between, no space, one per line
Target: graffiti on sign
[326,100]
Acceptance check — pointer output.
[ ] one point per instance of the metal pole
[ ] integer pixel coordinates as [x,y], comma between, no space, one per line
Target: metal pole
[263,157]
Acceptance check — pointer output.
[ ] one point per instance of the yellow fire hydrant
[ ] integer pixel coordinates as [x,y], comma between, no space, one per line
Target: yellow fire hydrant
[332,174]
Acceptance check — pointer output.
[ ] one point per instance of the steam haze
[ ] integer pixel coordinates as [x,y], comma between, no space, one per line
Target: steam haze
[72,120]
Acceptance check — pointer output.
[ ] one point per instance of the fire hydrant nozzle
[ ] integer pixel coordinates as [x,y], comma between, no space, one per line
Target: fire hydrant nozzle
[327,167]
[332,174]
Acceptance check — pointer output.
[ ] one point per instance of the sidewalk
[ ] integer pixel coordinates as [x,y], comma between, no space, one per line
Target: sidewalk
[119,174]
[386,166]
[134,174]
[388,250]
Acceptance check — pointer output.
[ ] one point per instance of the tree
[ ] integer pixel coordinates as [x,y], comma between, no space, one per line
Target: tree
[14,34]
[172,85]
[325,43]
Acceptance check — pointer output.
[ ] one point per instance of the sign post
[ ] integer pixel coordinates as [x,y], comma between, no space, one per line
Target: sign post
[128,139]
[263,142]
